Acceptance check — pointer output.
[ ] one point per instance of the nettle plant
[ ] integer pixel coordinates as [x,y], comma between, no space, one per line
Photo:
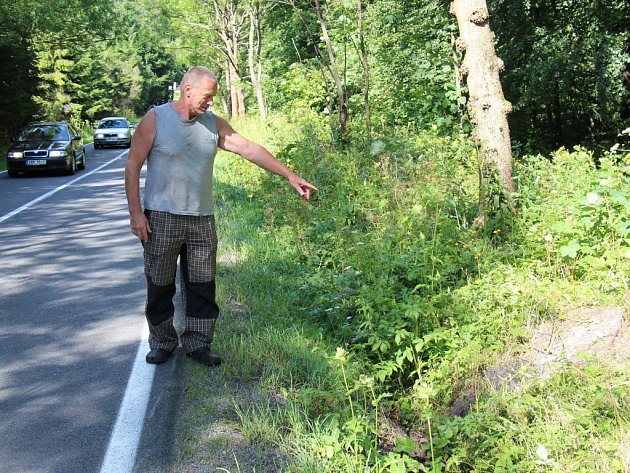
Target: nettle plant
[579,215]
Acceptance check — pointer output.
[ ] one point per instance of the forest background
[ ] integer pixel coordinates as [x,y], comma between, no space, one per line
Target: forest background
[377,317]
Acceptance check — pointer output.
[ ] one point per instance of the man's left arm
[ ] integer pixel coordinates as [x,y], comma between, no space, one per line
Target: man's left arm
[230,140]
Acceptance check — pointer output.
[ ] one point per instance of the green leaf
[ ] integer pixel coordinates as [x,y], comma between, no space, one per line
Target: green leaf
[620,198]
[570,249]
[405,445]
[377,147]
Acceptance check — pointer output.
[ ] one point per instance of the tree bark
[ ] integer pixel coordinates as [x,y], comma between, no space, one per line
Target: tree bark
[366,72]
[487,106]
[230,88]
[240,97]
[341,95]
[229,19]
[255,44]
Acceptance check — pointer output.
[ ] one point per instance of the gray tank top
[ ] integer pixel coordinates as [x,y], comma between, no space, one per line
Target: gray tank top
[179,166]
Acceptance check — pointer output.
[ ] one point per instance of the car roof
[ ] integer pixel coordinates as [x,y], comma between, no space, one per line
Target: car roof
[113,118]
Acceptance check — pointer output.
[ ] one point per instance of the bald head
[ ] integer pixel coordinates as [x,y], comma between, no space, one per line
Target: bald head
[198,88]
[196,75]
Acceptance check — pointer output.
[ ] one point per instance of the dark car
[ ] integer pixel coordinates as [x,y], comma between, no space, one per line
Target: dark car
[112,131]
[46,146]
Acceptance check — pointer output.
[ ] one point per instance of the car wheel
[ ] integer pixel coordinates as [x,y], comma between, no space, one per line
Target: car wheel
[82,165]
[96,146]
[73,165]
[12,173]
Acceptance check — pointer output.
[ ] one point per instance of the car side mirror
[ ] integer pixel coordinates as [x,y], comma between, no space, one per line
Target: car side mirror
[76,137]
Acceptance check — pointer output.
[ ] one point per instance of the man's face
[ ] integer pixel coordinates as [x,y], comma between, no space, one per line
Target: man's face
[202,96]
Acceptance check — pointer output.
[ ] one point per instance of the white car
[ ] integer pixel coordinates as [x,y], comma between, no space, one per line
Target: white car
[112,131]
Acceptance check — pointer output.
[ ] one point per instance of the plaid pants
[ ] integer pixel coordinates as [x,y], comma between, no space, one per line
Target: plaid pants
[193,240]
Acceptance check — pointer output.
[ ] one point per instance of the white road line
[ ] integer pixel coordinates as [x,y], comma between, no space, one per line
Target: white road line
[123,443]
[54,191]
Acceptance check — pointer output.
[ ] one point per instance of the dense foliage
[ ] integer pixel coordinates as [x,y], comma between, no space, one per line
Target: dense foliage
[567,69]
[81,60]
[431,315]
[566,63]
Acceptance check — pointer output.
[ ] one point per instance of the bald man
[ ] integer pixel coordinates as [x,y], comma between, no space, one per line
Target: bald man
[179,141]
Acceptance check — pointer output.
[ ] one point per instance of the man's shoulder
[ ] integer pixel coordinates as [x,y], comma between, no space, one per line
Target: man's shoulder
[162,108]
[222,124]
[209,120]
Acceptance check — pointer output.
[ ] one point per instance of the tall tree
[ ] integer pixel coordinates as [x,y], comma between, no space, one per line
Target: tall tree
[225,22]
[17,82]
[54,98]
[312,17]
[487,106]
[230,18]
[31,32]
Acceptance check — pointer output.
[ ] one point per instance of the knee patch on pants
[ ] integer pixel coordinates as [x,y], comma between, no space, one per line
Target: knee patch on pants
[159,305]
[200,300]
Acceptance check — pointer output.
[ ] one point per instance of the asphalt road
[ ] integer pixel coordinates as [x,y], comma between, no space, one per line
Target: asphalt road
[71,321]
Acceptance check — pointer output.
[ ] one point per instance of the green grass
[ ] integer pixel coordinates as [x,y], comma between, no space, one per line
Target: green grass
[385,261]
[268,352]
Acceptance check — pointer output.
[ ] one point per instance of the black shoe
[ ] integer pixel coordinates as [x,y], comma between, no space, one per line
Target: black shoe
[157,356]
[203,356]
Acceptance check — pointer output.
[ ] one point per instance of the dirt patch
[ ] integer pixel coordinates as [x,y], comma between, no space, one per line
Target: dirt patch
[595,331]
[390,433]
[211,441]
[577,334]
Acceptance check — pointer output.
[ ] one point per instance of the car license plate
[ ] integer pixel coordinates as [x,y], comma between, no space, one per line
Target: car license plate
[111,139]
[35,162]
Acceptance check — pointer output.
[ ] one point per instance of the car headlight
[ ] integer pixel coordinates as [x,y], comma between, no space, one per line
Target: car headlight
[122,135]
[15,154]
[99,135]
[57,153]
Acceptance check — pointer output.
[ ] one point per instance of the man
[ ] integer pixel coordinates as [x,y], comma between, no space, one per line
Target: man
[179,141]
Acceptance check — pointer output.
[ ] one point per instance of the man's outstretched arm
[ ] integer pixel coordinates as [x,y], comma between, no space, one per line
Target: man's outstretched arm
[230,140]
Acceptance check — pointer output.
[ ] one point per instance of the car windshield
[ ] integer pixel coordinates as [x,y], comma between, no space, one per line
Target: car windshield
[44,133]
[113,124]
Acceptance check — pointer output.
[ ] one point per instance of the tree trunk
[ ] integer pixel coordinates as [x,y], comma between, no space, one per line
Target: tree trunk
[253,53]
[233,94]
[487,106]
[557,115]
[229,20]
[341,96]
[366,72]
[230,89]
[235,25]
[225,106]
[221,73]
[240,97]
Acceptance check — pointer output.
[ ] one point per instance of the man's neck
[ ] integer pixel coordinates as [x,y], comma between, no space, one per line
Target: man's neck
[182,109]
